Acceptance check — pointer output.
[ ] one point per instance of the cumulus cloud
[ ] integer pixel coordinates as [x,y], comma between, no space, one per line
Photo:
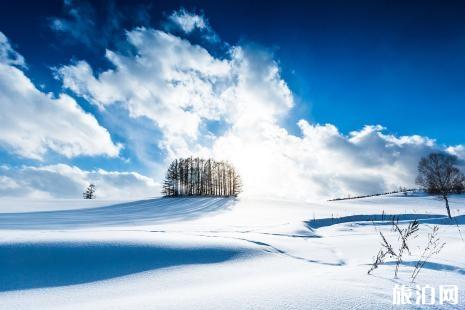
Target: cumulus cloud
[32,122]
[322,162]
[170,82]
[182,87]
[63,181]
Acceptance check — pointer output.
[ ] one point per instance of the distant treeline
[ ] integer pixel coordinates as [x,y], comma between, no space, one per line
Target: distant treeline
[402,190]
[201,177]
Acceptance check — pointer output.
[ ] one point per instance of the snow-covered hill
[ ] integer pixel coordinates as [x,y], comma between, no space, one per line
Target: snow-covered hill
[216,253]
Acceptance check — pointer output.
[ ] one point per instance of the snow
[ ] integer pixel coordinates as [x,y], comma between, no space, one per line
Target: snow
[217,253]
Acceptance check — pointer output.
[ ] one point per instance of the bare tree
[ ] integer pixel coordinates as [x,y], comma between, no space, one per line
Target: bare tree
[438,175]
[170,182]
[90,192]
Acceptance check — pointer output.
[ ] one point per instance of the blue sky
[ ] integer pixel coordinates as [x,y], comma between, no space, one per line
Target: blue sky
[351,64]
[396,64]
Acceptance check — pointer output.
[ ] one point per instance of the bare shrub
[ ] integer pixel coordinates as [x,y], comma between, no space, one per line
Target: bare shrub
[388,250]
[433,247]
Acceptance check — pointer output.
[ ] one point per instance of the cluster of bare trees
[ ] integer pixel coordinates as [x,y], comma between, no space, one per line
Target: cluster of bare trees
[205,177]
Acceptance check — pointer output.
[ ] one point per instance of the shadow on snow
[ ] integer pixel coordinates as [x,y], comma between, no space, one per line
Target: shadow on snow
[49,264]
[385,219]
[432,266]
[140,212]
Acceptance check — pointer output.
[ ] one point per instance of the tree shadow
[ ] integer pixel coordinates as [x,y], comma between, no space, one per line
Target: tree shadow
[142,212]
[385,219]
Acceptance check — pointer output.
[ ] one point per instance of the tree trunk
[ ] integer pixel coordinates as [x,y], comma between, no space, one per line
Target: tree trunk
[447,206]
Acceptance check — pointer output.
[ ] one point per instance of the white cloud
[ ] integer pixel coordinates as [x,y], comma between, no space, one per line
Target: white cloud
[32,122]
[171,82]
[63,181]
[457,150]
[322,162]
[8,55]
[181,87]
[187,21]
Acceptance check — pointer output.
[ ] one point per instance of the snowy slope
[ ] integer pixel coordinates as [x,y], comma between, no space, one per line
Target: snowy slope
[212,253]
